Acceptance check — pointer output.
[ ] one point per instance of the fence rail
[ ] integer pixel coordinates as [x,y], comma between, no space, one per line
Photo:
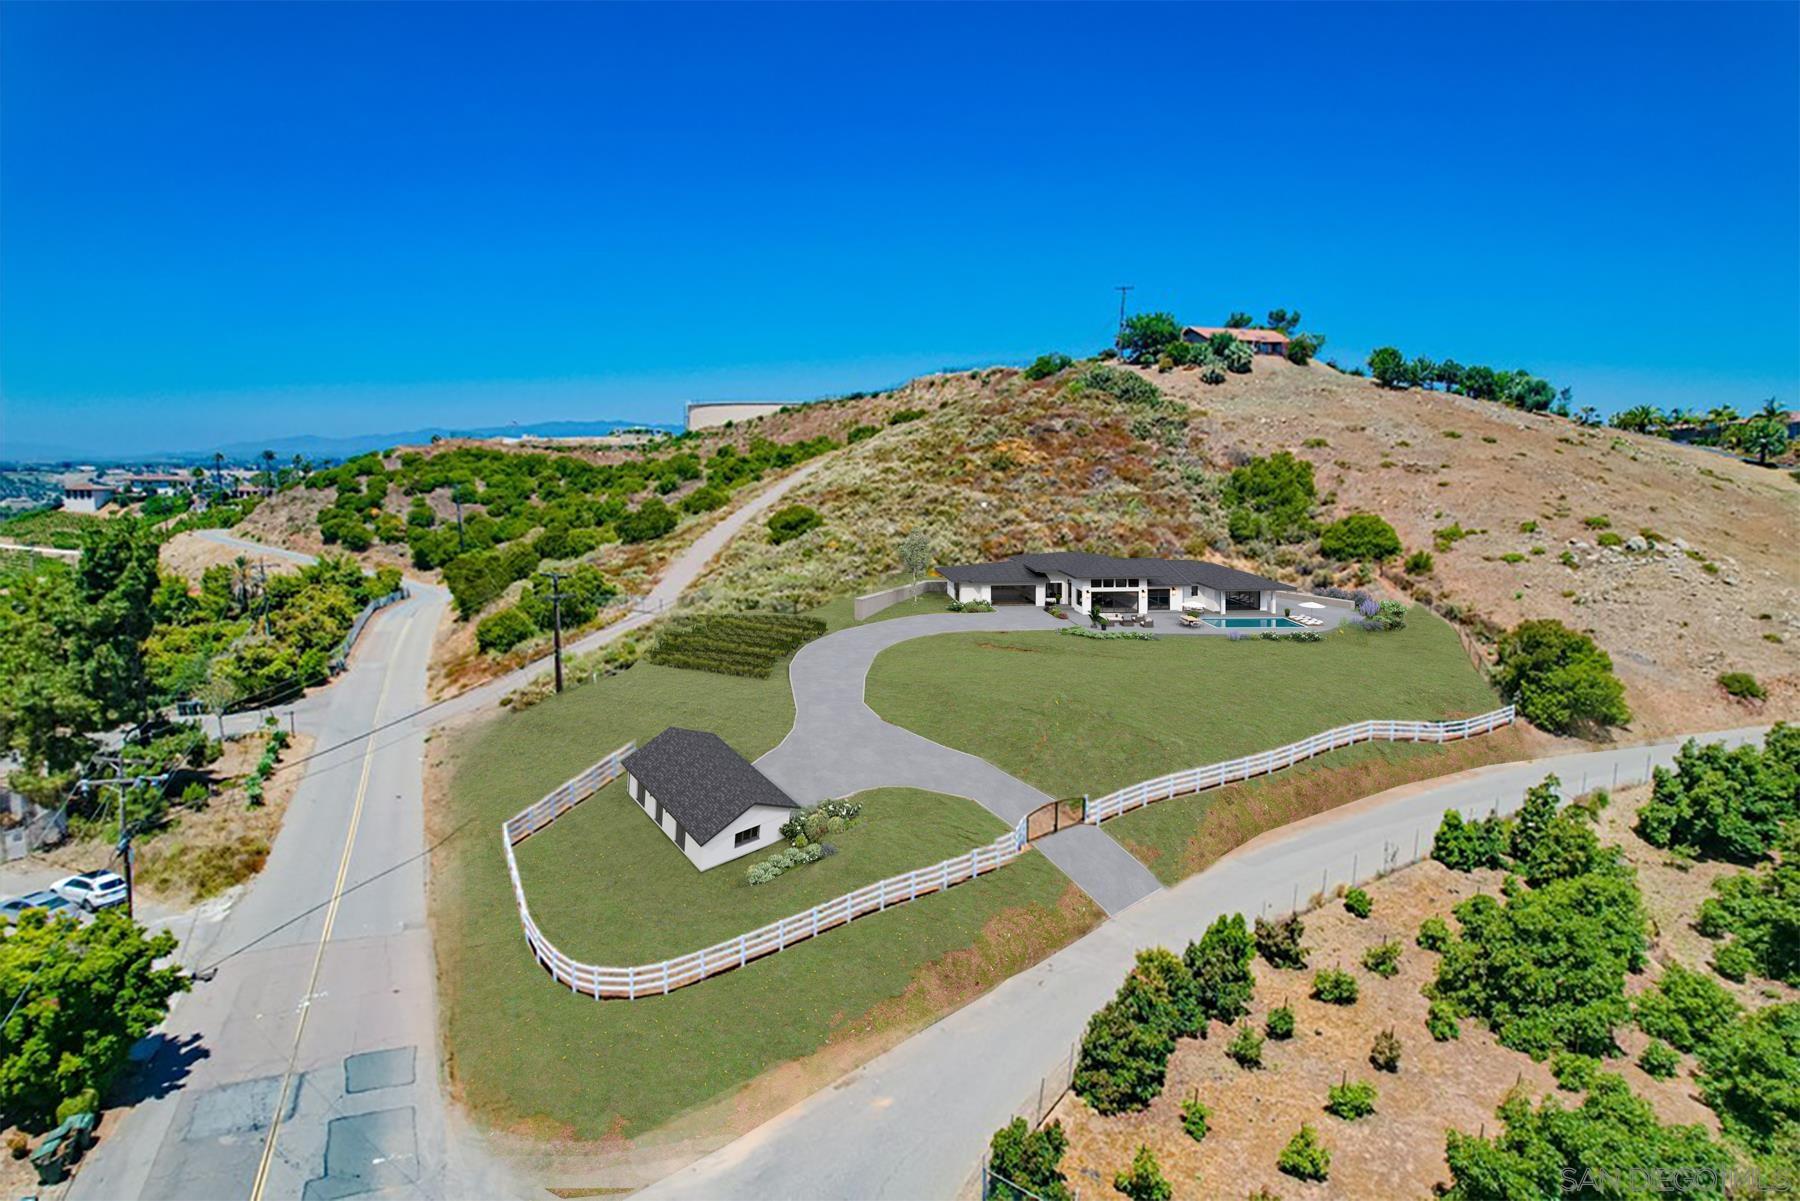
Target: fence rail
[657,979]
[1199,779]
[342,658]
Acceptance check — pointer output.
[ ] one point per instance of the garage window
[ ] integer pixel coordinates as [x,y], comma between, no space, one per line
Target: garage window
[745,836]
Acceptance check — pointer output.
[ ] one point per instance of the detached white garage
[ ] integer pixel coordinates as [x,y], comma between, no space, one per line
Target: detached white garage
[709,800]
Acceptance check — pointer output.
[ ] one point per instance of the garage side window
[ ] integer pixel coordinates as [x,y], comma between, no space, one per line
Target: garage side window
[750,835]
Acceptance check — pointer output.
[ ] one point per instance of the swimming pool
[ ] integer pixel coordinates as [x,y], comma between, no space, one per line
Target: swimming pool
[1252,623]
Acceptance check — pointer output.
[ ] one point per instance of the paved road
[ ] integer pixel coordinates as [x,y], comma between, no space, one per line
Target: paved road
[914,1122]
[838,745]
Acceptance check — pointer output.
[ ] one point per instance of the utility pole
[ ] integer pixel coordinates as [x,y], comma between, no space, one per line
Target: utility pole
[262,587]
[456,499]
[556,579]
[1119,338]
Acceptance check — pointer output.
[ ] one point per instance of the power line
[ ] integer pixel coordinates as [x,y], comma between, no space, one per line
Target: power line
[1121,289]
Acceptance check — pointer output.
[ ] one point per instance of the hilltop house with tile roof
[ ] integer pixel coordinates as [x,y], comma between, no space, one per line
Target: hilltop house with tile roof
[1261,341]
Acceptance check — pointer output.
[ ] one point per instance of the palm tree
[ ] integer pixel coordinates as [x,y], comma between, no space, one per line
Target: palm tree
[268,458]
[219,470]
[1766,438]
[1770,409]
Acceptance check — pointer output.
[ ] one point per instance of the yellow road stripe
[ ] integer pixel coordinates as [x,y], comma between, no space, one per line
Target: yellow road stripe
[312,983]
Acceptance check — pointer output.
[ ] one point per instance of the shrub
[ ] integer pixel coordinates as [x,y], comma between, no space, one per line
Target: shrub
[1121,1063]
[1280,1024]
[1466,846]
[1144,1181]
[709,497]
[1278,941]
[1685,1009]
[1734,961]
[647,522]
[1168,981]
[1219,965]
[1246,1047]
[1659,1059]
[1558,678]
[1383,959]
[1305,1157]
[1270,499]
[1574,1073]
[784,860]
[1028,1159]
[1725,803]
[18,1144]
[1360,537]
[1350,1100]
[1358,903]
[1749,1074]
[1610,539]
[1334,987]
[1434,934]
[1212,374]
[504,630]
[859,433]
[902,416]
[1047,365]
[1419,562]
[1193,1118]
[1144,336]
[1742,685]
[1443,1022]
[1384,1053]
[791,521]
[1597,522]
[85,1101]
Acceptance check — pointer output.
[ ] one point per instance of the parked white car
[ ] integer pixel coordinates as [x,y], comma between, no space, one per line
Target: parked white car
[92,891]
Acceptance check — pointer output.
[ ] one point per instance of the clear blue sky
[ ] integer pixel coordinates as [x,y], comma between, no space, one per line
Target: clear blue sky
[244,220]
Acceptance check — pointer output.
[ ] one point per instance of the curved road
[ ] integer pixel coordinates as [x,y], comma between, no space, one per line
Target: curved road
[308,1065]
[838,745]
[915,1121]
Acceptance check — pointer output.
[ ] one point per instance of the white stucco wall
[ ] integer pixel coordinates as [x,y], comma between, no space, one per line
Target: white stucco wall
[702,416]
[722,848]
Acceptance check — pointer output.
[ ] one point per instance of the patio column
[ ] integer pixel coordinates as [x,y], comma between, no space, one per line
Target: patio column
[1143,601]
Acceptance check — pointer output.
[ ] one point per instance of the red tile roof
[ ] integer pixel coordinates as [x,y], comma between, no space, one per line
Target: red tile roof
[1243,335]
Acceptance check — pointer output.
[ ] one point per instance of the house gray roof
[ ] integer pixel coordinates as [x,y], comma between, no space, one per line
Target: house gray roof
[700,780]
[1172,573]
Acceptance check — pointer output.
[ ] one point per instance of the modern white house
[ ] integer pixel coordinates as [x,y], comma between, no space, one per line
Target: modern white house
[1083,582]
[85,494]
[709,800]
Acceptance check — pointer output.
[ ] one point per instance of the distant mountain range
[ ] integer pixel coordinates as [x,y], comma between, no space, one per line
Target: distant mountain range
[315,446]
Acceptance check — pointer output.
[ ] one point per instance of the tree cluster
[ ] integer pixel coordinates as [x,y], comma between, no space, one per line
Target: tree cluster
[1559,679]
[1271,499]
[1518,389]
[1725,803]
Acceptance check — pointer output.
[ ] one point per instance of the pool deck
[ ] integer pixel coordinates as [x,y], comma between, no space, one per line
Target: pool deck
[1334,614]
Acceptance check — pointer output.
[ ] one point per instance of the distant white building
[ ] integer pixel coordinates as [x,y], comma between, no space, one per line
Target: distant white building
[85,494]
[706,414]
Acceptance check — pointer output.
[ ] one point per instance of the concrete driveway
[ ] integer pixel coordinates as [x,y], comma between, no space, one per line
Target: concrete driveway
[838,745]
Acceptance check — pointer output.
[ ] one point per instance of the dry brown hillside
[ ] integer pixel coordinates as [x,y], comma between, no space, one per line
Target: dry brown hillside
[1000,464]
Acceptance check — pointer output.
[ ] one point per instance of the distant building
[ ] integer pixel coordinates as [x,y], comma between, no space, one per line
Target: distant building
[707,414]
[158,483]
[1262,341]
[711,801]
[85,494]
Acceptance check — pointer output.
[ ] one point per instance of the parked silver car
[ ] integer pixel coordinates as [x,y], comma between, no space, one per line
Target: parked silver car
[92,891]
[44,899]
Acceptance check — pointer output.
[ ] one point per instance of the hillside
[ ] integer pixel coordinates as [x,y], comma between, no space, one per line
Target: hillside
[1000,464]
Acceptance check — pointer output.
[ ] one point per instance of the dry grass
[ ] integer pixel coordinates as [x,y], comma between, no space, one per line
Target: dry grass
[189,555]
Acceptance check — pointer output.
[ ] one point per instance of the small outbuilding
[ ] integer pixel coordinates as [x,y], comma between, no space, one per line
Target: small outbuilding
[709,800]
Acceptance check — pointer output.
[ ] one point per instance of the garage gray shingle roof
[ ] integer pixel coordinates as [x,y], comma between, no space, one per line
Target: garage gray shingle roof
[702,781]
[1031,569]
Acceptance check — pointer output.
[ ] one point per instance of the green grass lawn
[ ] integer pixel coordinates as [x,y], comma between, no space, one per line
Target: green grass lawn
[842,612]
[527,1054]
[1078,715]
[612,890]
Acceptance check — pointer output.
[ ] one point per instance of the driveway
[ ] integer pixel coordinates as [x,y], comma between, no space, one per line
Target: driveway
[838,745]
[915,1121]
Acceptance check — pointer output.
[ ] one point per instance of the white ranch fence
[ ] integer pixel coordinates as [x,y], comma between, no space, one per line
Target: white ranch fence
[657,979]
[1199,779]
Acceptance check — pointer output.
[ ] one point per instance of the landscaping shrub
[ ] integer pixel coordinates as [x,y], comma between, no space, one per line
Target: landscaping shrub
[1350,1100]
[1384,1053]
[1305,1157]
[1163,977]
[1246,1047]
[1434,934]
[971,606]
[1558,678]
[1219,965]
[1443,1022]
[813,822]
[1725,803]
[1334,987]
[1028,1159]
[1419,562]
[1358,903]
[1193,1118]
[791,521]
[1659,1059]
[1047,365]
[1113,635]
[1742,685]
[1144,1181]
[784,860]
[1359,537]
[1278,941]
[1383,959]
[740,644]
[1280,1024]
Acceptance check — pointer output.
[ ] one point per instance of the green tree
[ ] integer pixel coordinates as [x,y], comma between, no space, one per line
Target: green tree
[1239,321]
[1359,537]
[1752,1080]
[1220,966]
[1558,678]
[1028,1162]
[1305,1157]
[84,994]
[1271,498]
[1723,802]
[649,521]
[1284,321]
[1144,1181]
[915,553]
[1047,365]
[1387,365]
[1766,438]
[1144,335]
[1302,348]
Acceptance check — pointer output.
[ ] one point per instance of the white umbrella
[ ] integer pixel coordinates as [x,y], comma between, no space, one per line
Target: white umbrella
[1311,605]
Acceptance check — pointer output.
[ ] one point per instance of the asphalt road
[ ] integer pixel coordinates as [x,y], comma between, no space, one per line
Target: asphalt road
[915,1122]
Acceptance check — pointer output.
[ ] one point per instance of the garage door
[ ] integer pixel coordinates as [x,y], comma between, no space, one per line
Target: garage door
[1015,594]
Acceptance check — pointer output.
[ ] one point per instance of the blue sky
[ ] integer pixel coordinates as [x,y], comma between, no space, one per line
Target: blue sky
[228,222]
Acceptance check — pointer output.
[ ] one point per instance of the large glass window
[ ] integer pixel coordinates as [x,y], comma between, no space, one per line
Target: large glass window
[744,836]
